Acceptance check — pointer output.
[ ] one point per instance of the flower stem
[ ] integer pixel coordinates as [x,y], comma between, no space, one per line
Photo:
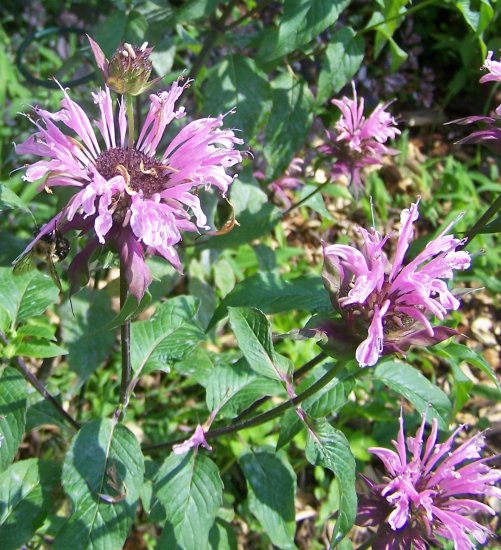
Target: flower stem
[125,345]
[304,199]
[260,418]
[41,389]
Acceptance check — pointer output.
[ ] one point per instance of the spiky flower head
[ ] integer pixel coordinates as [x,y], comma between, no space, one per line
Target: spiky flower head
[129,198]
[386,303]
[429,490]
[359,141]
[128,70]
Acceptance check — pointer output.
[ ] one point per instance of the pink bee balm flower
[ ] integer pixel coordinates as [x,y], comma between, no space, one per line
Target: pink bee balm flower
[386,302]
[130,198]
[431,493]
[359,141]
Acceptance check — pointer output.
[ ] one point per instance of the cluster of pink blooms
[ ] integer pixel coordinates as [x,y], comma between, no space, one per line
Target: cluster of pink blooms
[359,141]
[387,303]
[129,197]
[429,495]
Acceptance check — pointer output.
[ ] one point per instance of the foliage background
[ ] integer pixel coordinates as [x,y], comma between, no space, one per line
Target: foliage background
[198,346]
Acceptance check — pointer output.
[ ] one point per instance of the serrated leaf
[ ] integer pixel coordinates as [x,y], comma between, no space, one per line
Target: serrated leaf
[329,448]
[411,384]
[26,499]
[328,400]
[302,21]
[26,295]
[237,84]
[272,293]
[271,483]
[253,332]
[102,474]
[188,493]
[168,336]
[289,123]
[13,394]
[342,59]
[222,536]
[85,331]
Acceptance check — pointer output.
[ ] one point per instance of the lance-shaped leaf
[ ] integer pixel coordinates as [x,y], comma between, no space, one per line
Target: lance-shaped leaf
[411,384]
[272,293]
[102,474]
[329,448]
[168,336]
[253,332]
[12,414]
[271,483]
[26,499]
[187,492]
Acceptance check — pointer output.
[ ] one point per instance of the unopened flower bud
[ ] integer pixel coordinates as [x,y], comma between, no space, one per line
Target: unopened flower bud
[128,70]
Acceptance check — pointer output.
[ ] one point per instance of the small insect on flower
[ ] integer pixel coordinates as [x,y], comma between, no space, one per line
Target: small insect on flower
[50,248]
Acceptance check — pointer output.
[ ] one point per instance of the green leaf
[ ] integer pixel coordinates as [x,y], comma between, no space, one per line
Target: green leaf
[168,336]
[456,353]
[39,347]
[302,21]
[411,384]
[329,448]
[12,414]
[26,295]
[189,493]
[86,332]
[222,536]
[195,9]
[341,62]
[492,227]
[272,293]
[254,213]
[10,201]
[26,498]
[271,484]
[237,83]
[236,386]
[289,123]
[102,474]
[253,332]
[328,400]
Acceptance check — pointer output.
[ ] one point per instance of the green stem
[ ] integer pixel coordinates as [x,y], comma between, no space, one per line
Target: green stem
[41,389]
[260,418]
[303,200]
[125,346]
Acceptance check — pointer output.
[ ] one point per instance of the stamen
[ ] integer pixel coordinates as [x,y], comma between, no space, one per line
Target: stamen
[130,49]
[144,46]
[125,53]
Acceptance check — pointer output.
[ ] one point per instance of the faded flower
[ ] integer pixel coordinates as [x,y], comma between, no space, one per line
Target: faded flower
[129,198]
[430,493]
[386,303]
[359,141]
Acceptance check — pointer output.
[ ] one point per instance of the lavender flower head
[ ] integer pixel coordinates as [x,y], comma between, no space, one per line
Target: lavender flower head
[128,198]
[359,141]
[289,181]
[386,302]
[490,134]
[429,494]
